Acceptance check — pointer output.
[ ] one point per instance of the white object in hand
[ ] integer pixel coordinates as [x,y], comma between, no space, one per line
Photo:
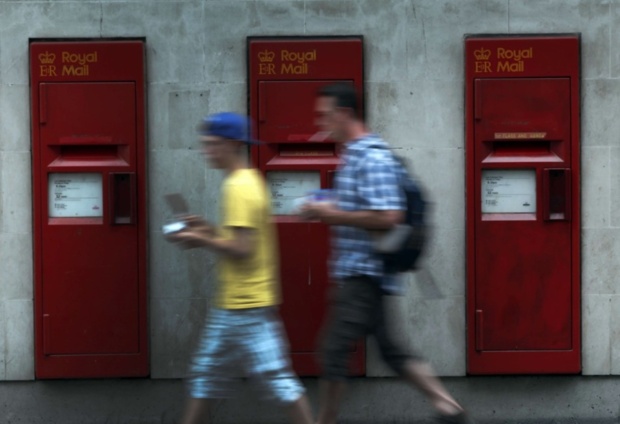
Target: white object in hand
[300,201]
[173,227]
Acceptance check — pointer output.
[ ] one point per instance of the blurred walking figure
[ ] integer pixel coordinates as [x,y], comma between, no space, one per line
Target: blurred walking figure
[368,201]
[243,329]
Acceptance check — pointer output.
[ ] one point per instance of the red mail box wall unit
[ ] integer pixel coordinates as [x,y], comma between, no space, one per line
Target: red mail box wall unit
[523,227]
[284,76]
[88,161]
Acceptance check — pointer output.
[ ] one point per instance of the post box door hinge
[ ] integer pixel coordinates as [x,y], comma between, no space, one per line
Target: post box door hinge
[42,104]
[46,334]
[479,328]
[477,100]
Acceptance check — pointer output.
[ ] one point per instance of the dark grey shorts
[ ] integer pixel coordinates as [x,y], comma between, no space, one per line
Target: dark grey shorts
[357,310]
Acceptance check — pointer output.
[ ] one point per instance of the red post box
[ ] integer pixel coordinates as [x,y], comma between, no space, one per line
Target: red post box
[523,228]
[88,150]
[284,76]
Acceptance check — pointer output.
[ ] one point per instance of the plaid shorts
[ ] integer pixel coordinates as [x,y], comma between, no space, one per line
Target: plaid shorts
[243,343]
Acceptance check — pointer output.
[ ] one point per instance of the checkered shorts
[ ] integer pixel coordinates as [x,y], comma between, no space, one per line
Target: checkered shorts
[243,343]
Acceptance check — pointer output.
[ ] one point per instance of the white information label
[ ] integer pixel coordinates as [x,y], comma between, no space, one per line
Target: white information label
[75,195]
[509,191]
[288,186]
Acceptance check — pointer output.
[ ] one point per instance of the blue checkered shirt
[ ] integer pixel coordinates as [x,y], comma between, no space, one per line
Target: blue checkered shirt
[367,180]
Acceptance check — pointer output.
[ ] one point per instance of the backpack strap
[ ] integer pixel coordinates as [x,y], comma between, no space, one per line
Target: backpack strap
[403,173]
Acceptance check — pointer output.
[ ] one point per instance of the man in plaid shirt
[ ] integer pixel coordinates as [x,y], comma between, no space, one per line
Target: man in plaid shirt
[369,202]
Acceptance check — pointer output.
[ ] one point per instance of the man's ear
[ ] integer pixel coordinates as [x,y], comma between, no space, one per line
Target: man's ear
[240,145]
[348,112]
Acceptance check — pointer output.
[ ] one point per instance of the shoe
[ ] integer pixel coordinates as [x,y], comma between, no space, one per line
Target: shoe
[460,418]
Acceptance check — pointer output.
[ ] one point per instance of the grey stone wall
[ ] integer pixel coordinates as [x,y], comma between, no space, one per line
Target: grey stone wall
[414,83]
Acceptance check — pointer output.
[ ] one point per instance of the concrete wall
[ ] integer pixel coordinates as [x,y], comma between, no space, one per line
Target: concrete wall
[414,82]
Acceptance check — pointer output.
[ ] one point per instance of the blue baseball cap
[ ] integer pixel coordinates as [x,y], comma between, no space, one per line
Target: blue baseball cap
[228,125]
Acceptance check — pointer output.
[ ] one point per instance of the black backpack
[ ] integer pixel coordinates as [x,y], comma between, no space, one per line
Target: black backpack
[402,246]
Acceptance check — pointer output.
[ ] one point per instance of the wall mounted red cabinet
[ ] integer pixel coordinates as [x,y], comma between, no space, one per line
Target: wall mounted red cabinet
[284,76]
[523,227]
[88,144]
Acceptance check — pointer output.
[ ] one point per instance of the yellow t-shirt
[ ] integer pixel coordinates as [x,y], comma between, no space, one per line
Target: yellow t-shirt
[250,282]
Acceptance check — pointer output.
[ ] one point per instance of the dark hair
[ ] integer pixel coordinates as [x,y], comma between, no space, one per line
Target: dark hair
[344,93]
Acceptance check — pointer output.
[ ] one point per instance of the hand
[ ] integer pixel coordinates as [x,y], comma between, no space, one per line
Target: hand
[189,238]
[321,211]
[197,233]
[199,225]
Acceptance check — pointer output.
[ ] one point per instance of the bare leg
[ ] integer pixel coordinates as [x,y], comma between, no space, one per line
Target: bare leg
[300,412]
[421,375]
[197,411]
[329,400]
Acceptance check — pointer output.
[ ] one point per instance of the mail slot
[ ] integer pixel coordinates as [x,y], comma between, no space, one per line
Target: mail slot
[523,233]
[88,144]
[285,74]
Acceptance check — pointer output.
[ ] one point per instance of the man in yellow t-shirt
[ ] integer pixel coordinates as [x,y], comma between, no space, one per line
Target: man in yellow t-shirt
[243,330]
[249,282]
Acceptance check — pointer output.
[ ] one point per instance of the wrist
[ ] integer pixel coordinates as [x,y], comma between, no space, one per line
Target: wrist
[334,217]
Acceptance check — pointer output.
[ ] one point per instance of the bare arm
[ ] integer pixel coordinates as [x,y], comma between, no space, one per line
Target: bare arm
[368,219]
[199,233]
[240,246]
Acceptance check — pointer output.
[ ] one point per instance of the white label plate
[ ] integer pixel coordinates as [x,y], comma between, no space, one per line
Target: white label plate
[508,191]
[75,195]
[287,186]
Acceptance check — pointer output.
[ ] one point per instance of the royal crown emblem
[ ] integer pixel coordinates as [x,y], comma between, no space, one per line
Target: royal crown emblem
[47,58]
[482,54]
[266,56]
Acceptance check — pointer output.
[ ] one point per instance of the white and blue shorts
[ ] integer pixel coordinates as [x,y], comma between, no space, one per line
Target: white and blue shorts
[243,343]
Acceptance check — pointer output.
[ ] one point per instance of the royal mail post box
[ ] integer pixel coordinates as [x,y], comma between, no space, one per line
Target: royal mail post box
[523,232]
[88,150]
[284,77]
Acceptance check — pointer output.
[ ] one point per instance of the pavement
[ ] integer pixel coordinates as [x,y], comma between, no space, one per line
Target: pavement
[490,400]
